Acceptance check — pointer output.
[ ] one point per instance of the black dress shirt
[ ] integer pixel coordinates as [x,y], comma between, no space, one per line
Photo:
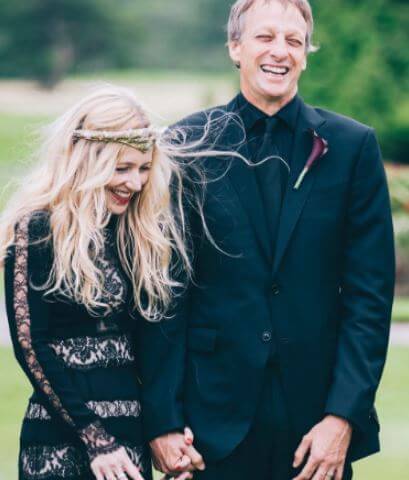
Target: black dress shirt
[254,121]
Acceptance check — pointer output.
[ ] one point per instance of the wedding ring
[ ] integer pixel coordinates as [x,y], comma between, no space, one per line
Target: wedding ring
[122,475]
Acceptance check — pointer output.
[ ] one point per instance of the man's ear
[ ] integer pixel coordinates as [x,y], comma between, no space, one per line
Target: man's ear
[304,65]
[235,52]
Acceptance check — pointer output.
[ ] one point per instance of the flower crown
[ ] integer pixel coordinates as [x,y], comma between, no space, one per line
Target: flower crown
[142,139]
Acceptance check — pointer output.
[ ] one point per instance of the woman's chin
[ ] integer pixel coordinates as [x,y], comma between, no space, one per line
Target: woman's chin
[117,209]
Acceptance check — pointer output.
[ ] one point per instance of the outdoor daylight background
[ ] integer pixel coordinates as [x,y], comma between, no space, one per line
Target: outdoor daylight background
[172,54]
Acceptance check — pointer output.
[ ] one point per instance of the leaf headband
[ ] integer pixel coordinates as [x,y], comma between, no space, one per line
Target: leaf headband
[142,139]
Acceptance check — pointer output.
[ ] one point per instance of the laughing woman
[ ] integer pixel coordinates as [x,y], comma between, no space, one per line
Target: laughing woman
[86,233]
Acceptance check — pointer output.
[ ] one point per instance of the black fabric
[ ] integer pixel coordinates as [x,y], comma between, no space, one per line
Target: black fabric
[267,451]
[86,393]
[286,123]
[270,177]
[324,297]
[270,141]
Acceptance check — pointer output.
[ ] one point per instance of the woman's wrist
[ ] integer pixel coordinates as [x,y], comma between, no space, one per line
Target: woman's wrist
[97,440]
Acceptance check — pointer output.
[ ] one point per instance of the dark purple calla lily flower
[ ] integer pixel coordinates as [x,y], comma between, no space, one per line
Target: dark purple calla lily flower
[319,149]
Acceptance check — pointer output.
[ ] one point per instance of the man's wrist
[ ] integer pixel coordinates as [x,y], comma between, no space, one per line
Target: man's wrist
[342,420]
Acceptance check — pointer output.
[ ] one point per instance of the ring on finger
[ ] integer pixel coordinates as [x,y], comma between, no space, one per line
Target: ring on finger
[121,476]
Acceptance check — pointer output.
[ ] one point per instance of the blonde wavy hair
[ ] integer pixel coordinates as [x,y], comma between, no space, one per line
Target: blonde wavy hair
[68,182]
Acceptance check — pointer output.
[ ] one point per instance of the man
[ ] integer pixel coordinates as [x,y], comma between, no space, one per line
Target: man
[274,356]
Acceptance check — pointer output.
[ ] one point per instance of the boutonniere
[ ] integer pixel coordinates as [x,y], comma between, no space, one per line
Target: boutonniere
[319,149]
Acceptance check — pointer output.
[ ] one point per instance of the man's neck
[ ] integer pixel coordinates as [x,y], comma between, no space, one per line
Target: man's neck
[268,106]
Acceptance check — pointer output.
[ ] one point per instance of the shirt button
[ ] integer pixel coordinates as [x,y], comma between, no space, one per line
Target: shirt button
[275,289]
[266,336]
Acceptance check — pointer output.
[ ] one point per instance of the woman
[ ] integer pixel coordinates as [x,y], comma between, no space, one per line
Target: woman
[86,241]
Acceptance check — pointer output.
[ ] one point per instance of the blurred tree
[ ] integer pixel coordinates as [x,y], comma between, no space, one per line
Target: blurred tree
[45,39]
[184,34]
[362,69]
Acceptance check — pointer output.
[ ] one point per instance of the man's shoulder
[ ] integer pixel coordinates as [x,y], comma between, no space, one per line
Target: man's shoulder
[201,117]
[336,120]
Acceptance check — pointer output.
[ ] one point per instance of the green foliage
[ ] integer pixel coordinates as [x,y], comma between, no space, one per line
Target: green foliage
[46,39]
[362,69]
[398,180]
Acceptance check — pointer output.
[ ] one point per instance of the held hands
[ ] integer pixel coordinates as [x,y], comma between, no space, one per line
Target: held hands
[115,466]
[174,454]
[327,444]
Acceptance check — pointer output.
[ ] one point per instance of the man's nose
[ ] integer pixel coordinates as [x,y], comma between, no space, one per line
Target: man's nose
[279,48]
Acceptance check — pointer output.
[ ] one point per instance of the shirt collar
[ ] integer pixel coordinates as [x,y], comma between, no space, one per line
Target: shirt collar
[250,114]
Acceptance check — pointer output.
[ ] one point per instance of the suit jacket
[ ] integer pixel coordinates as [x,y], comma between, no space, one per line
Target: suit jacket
[324,295]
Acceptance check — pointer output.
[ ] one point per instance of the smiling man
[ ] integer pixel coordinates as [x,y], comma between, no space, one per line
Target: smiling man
[275,352]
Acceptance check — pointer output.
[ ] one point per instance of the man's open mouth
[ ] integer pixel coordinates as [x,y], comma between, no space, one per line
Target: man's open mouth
[275,70]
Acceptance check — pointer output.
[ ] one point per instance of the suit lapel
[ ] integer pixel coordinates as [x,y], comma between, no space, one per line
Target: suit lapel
[294,200]
[243,179]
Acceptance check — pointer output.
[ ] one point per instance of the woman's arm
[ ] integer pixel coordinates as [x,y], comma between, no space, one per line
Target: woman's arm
[27,267]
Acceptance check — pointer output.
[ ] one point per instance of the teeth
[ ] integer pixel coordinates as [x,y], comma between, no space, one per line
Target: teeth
[275,70]
[122,194]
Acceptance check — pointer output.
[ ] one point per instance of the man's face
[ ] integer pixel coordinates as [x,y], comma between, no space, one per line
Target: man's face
[271,53]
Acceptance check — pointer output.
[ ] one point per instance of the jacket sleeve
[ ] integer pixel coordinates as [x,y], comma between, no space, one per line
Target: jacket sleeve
[162,347]
[26,269]
[366,291]
[162,369]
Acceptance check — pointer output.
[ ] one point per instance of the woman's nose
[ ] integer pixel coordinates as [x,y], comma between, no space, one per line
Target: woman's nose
[134,183]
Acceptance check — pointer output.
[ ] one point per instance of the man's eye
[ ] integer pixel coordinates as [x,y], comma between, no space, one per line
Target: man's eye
[295,42]
[264,38]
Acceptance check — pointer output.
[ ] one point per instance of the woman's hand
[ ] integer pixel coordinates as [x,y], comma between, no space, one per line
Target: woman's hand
[115,466]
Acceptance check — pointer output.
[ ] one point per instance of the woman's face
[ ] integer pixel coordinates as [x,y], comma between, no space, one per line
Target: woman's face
[131,174]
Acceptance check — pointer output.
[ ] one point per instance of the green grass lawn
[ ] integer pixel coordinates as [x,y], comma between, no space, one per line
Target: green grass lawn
[157,76]
[393,402]
[17,137]
[400,312]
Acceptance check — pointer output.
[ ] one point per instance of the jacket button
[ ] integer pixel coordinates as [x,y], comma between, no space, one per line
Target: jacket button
[266,336]
[275,289]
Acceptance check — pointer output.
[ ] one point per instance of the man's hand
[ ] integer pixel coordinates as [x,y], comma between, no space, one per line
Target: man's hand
[327,444]
[174,452]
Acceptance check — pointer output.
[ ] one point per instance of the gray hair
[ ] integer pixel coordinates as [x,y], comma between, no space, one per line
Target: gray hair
[240,7]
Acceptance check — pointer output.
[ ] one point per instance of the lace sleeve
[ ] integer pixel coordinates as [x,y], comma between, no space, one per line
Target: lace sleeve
[27,268]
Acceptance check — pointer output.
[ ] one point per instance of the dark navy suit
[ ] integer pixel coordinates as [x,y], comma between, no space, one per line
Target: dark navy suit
[323,296]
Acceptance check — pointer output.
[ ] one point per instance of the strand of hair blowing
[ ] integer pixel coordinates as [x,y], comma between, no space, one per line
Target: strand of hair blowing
[68,182]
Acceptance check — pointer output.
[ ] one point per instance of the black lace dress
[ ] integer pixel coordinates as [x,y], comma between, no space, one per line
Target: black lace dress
[86,398]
